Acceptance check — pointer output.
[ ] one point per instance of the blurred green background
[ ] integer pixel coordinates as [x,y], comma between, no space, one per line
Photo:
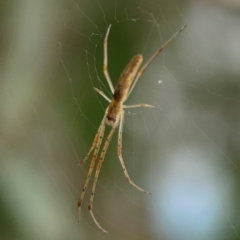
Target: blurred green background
[186,152]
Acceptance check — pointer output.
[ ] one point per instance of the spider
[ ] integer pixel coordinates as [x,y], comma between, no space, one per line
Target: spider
[114,116]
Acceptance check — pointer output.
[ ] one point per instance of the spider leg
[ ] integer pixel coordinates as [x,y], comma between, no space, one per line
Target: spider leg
[121,158]
[92,163]
[96,146]
[139,105]
[102,94]
[93,146]
[98,168]
[95,139]
[141,71]
[105,61]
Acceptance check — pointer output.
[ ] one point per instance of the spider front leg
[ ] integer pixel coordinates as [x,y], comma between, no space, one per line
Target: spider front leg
[96,146]
[121,158]
[93,145]
[95,138]
[98,168]
[92,163]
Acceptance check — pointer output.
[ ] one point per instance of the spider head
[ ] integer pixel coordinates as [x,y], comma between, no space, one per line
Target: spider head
[113,115]
[112,120]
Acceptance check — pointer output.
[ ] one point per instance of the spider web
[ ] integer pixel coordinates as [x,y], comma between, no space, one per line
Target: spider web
[186,152]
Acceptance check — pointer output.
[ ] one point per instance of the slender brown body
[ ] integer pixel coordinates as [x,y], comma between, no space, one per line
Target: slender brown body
[121,90]
[114,116]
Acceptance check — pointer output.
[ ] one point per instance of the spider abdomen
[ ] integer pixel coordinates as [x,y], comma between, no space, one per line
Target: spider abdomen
[126,78]
[121,90]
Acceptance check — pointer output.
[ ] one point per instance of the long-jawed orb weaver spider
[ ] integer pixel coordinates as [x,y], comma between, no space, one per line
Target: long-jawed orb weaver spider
[114,116]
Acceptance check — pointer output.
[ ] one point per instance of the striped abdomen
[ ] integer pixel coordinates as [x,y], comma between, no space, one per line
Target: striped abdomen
[121,90]
[126,78]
